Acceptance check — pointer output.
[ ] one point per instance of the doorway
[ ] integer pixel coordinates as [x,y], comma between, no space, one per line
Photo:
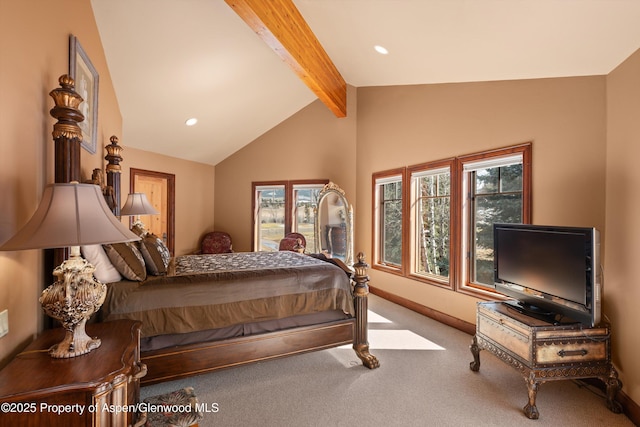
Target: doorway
[159,188]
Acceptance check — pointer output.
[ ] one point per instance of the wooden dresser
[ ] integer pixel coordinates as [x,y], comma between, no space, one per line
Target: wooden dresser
[542,351]
[95,389]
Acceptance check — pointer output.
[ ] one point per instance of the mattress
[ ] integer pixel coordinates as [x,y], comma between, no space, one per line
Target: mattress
[233,294]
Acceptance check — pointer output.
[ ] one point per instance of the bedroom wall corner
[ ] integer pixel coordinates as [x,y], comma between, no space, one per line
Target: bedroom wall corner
[311,144]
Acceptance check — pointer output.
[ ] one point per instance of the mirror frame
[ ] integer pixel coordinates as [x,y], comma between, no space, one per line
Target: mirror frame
[331,189]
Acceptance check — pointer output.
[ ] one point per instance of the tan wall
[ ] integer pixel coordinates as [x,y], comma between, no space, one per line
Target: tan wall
[621,287]
[194,193]
[564,119]
[312,144]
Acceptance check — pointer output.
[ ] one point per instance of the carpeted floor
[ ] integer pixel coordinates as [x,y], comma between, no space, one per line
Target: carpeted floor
[424,380]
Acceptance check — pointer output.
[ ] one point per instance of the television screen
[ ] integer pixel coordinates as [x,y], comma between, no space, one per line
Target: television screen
[550,271]
[551,261]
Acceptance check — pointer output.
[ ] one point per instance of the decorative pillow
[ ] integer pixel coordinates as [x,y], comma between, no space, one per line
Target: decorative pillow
[155,253]
[127,259]
[105,271]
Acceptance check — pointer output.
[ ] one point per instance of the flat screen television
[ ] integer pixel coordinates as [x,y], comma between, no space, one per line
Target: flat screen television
[551,272]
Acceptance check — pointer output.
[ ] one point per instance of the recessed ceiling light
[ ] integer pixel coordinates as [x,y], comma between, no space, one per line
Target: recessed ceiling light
[191,122]
[381,50]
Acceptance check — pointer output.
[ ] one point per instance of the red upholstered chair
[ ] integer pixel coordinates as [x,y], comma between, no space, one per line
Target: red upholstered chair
[216,242]
[295,242]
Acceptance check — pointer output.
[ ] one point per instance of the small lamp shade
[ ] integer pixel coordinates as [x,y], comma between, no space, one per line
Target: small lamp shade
[70,215]
[137,204]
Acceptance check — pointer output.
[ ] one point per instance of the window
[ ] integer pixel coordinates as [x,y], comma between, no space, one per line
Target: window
[269,216]
[281,207]
[495,187]
[431,222]
[452,206]
[388,219]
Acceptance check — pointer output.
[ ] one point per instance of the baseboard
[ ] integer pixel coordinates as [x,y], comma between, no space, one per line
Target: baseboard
[631,408]
[441,317]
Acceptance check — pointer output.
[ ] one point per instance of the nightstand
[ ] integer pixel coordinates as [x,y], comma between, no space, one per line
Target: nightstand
[100,388]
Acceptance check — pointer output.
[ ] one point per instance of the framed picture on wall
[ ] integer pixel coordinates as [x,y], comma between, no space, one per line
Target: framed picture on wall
[85,76]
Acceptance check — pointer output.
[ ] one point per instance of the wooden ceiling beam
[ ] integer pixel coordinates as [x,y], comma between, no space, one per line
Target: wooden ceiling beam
[281,26]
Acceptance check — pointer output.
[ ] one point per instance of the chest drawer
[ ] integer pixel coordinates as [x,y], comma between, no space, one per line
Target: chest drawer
[564,347]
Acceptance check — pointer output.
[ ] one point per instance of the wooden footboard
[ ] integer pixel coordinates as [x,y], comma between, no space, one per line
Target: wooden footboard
[184,361]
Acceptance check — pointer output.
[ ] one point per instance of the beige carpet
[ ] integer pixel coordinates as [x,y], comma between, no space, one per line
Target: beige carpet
[424,380]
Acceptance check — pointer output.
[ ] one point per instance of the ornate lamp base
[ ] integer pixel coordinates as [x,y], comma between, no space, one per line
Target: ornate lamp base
[72,300]
[75,343]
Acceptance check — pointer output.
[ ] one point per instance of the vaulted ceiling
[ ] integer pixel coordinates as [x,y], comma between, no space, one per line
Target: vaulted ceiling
[171,60]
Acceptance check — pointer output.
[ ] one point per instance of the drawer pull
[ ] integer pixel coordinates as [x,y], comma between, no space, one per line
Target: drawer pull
[581,352]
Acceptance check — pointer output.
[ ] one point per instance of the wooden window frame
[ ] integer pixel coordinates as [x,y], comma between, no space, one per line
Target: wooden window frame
[411,235]
[464,285]
[376,231]
[458,268]
[289,206]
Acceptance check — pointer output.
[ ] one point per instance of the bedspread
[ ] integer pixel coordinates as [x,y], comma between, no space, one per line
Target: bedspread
[213,291]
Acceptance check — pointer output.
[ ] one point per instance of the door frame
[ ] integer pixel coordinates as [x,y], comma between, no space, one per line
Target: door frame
[171,199]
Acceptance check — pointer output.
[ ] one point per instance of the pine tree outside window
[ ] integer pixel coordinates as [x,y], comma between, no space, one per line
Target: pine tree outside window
[495,189]
[447,209]
[388,196]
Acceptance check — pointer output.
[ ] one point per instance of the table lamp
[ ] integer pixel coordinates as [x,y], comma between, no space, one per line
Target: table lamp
[71,215]
[137,204]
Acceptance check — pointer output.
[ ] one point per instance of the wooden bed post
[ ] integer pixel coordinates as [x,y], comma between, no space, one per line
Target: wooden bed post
[67,136]
[114,170]
[66,132]
[360,301]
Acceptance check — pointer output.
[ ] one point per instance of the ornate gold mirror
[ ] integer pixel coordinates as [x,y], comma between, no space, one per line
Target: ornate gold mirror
[334,224]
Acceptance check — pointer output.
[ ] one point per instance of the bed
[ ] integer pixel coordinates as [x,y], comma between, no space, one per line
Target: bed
[207,312]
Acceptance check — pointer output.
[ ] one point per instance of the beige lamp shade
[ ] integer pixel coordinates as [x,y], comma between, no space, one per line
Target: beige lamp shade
[70,215]
[137,204]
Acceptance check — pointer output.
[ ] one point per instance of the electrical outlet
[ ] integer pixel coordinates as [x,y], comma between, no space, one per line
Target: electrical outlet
[4,322]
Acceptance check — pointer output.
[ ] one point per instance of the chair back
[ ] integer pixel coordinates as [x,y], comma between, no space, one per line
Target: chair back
[216,242]
[293,242]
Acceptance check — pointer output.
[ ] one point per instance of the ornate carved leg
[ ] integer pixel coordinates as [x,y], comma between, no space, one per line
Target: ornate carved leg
[530,410]
[475,350]
[613,385]
[360,293]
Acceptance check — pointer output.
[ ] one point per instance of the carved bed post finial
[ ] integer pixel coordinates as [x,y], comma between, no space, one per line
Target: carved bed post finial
[67,137]
[66,132]
[360,295]
[114,170]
